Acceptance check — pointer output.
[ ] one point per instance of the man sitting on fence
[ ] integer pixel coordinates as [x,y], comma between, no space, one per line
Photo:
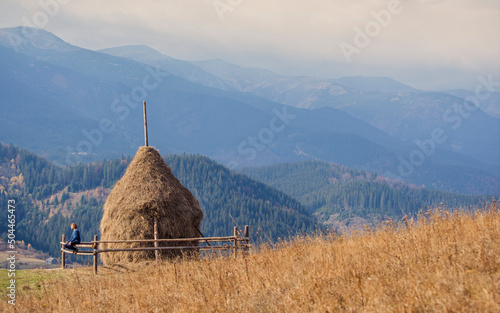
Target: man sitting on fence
[74,239]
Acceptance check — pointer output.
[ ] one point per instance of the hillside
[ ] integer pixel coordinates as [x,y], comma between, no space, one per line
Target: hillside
[49,198]
[442,262]
[344,197]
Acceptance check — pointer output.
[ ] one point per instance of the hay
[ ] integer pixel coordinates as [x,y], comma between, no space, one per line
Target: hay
[148,189]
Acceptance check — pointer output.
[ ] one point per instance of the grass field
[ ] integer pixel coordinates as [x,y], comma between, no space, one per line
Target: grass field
[444,262]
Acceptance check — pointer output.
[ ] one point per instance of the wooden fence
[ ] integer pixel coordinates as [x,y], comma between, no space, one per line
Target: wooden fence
[238,243]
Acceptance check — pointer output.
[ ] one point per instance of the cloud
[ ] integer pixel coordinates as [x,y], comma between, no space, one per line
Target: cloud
[291,36]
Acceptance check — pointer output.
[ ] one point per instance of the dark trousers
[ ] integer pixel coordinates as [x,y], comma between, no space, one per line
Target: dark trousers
[72,247]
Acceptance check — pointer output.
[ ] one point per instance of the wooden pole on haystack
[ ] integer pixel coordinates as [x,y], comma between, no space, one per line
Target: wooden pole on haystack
[145,124]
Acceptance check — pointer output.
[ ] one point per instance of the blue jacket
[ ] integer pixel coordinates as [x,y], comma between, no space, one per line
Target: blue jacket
[75,237]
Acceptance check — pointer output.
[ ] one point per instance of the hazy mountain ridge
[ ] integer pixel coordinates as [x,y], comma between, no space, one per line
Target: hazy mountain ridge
[398,109]
[491,105]
[390,116]
[375,84]
[184,69]
[76,90]
[26,39]
[189,98]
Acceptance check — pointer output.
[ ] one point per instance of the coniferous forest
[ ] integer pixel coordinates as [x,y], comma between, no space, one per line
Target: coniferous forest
[328,189]
[49,198]
[279,201]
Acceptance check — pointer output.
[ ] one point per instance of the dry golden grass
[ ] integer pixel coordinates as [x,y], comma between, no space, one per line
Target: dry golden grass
[442,263]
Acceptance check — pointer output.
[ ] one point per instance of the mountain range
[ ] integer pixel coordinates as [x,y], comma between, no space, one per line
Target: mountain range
[73,105]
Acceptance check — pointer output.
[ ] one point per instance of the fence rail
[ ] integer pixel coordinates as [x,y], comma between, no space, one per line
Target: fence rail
[238,243]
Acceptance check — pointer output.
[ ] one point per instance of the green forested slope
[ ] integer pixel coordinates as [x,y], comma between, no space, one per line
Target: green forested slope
[44,209]
[327,189]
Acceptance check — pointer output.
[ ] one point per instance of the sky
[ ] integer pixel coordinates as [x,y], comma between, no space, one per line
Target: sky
[428,44]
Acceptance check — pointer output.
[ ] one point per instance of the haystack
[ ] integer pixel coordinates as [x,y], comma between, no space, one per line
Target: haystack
[148,190]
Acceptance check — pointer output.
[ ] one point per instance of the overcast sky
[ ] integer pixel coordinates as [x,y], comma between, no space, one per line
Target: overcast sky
[429,44]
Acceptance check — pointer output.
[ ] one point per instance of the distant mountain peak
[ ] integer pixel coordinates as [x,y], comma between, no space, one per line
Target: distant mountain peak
[374,84]
[21,38]
[134,51]
[219,63]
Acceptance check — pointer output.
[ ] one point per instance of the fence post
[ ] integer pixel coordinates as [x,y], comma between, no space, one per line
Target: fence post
[63,255]
[247,241]
[157,252]
[235,241]
[95,246]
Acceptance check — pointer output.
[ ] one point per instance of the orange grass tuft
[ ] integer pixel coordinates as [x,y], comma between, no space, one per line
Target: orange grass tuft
[442,262]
